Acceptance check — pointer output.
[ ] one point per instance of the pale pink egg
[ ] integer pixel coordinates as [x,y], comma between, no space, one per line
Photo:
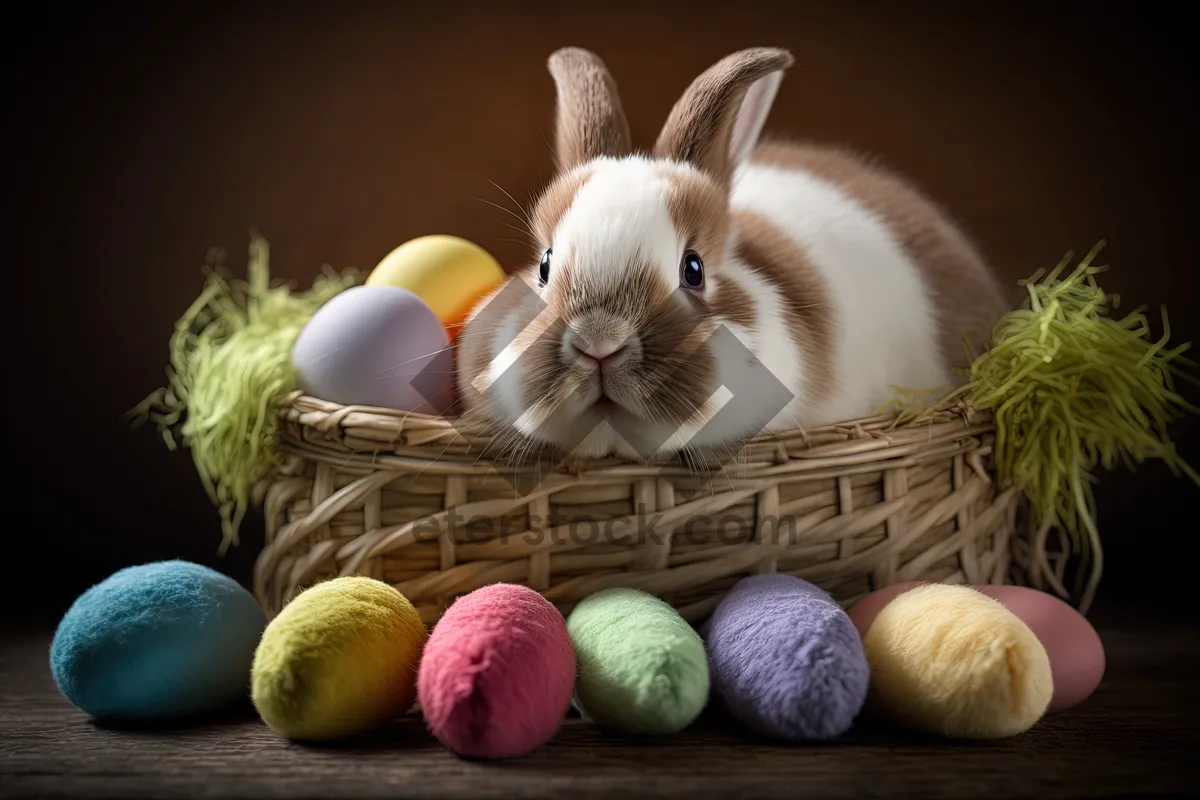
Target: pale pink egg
[1076,653]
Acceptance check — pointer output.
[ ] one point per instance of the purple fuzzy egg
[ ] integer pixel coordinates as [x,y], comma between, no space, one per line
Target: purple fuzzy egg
[376,346]
[786,660]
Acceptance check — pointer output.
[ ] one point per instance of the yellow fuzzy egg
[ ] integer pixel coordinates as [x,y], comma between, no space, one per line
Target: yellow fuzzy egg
[450,274]
[339,659]
[951,661]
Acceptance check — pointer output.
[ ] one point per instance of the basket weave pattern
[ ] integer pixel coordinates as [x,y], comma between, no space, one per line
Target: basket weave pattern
[409,500]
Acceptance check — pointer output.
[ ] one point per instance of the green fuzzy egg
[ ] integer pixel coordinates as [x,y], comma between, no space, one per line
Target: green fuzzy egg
[642,668]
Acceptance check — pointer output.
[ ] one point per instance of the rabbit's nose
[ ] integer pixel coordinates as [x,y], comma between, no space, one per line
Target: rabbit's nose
[609,352]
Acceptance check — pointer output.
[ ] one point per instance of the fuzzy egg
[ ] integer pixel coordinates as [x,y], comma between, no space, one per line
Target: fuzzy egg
[450,274]
[376,346]
[642,668]
[786,660]
[497,674]
[1076,653]
[158,640]
[339,659]
[951,661]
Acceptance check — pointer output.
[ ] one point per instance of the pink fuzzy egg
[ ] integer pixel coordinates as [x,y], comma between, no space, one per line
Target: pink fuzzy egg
[497,673]
[1076,653]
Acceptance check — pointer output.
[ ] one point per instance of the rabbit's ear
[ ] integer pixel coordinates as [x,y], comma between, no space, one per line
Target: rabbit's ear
[753,115]
[717,121]
[590,121]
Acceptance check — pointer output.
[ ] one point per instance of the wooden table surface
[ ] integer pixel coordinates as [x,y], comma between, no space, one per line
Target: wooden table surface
[1137,736]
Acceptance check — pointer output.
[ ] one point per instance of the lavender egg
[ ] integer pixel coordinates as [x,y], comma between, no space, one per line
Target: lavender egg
[379,346]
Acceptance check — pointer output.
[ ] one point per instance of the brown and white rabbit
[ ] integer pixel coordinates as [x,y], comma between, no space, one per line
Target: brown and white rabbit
[837,279]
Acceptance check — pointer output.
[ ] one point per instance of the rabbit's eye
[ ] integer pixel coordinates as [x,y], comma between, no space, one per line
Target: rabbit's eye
[544,267]
[691,270]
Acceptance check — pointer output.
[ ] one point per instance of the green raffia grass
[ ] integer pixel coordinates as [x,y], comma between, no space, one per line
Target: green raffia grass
[230,364]
[1072,388]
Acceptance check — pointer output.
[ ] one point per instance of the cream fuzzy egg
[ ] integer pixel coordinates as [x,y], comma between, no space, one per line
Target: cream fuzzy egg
[951,661]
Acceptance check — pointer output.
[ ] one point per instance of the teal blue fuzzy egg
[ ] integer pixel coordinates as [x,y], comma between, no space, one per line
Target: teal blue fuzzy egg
[159,640]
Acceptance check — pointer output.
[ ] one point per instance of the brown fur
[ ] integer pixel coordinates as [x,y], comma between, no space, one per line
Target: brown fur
[547,213]
[699,209]
[675,371]
[581,291]
[966,296]
[773,254]
[553,203]
[730,301]
[699,127]
[591,122]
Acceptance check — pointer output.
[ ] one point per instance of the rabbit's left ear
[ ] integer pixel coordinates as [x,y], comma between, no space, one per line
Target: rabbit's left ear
[717,121]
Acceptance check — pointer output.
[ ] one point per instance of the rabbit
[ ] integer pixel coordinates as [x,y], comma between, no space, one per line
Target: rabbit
[720,286]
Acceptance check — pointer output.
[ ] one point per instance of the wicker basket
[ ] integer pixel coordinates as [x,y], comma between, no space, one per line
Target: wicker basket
[412,500]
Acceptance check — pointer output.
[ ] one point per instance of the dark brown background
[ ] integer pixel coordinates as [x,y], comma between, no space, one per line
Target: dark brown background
[138,139]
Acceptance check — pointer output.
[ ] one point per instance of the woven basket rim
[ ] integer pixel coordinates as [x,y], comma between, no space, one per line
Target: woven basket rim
[318,425]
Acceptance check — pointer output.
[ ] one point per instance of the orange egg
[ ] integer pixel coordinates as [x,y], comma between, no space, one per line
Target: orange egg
[1076,653]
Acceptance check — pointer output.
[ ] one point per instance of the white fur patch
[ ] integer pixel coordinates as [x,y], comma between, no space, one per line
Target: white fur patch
[885,330]
[618,220]
[771,341]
